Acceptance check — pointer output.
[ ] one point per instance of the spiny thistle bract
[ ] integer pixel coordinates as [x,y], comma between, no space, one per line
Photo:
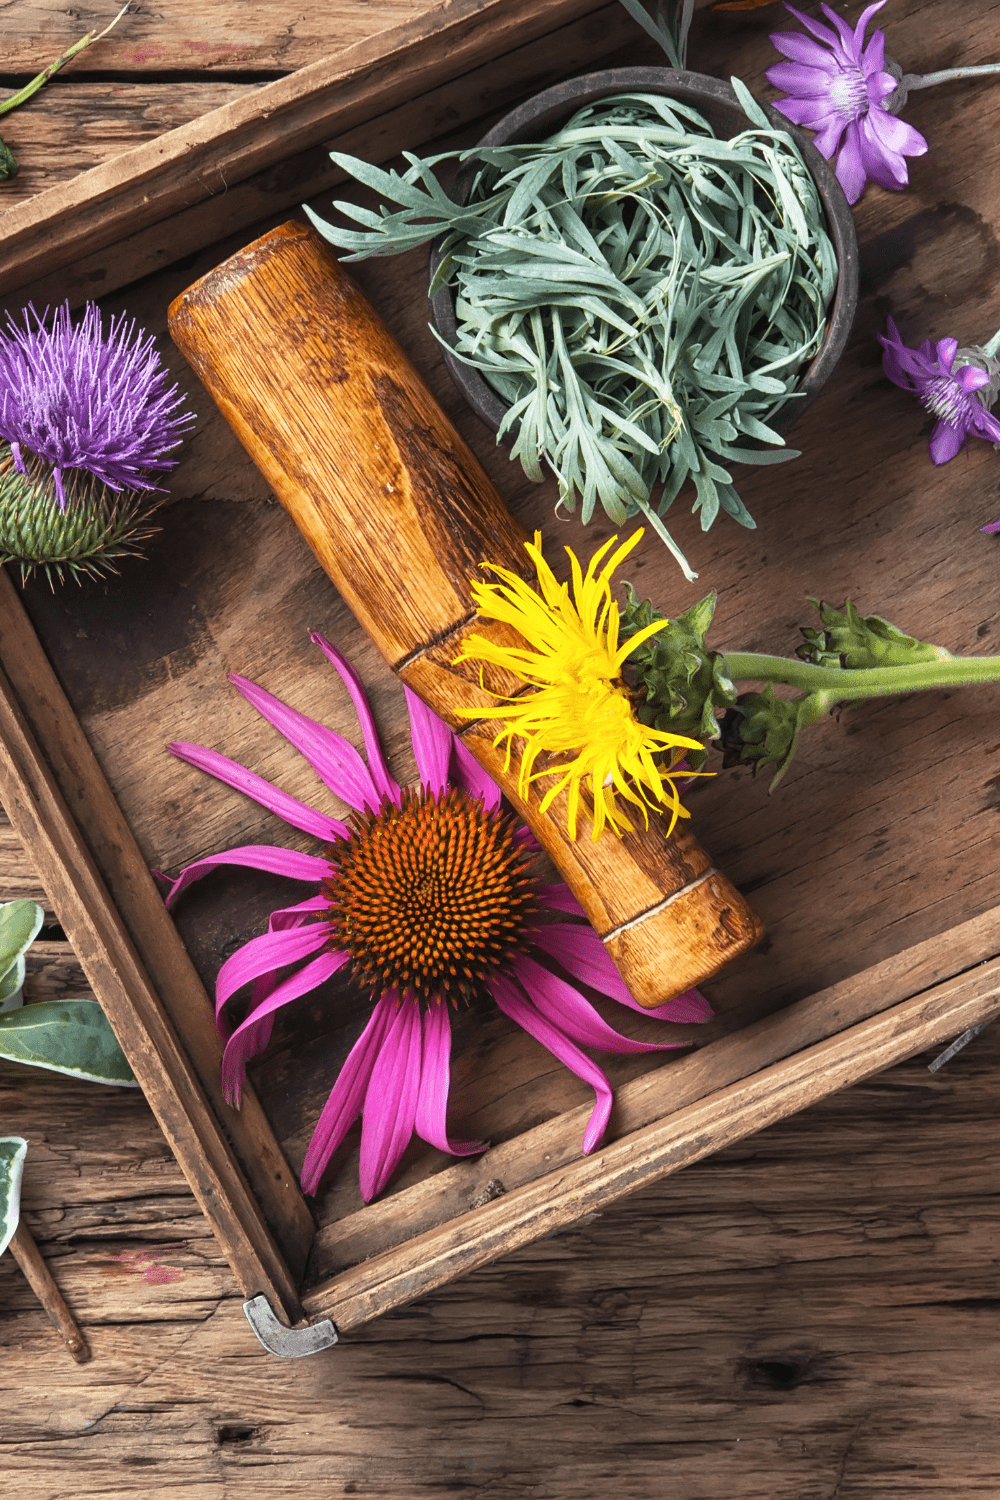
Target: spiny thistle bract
[98,526]
[85,416]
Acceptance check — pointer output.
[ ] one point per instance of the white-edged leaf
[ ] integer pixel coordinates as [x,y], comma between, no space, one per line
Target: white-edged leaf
[13,1150]
[66,1036]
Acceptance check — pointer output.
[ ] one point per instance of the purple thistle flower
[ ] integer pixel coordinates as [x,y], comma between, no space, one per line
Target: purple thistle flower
[83,399]
[839,87]
[397,1074]
[947,393]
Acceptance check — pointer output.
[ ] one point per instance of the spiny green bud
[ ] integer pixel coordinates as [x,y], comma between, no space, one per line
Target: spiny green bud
[851,641]
[765,730]
[682,680]
[98,526]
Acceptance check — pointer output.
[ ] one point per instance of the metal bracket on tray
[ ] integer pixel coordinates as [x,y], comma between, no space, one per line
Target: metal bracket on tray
[287,1343]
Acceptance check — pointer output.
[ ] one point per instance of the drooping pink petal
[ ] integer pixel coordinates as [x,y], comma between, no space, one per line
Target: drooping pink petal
[272,950]
[582,954]
[390,1108]
[344,1102]
[309,977]
[297,813]
[333,758]
[387,786]
[520,1009]
[560,898]
[432,742]
[470,776]
[881,163]
[435,1078]
[266,857]
[566,1008]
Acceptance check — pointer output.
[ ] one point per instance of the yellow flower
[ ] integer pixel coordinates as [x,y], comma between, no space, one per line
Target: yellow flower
[578,705]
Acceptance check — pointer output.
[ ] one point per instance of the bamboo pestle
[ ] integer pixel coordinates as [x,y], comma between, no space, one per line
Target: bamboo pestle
[400,514]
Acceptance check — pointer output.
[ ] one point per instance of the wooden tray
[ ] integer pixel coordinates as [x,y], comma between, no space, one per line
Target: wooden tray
[874,866]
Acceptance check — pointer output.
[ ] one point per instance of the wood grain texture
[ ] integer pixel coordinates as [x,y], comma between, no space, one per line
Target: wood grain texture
[139,908]
[200,159]
[54,145]
[259,36]
[807,1313]
[41,819]
[38,1276]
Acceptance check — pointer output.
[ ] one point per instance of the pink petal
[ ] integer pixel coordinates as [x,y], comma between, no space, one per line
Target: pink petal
[297,813]
[432,742]
[271,950]
[514,1004]
[435,1078]
[821,32]
[332,757]
[560,898]
[471,777]
[345,1098]
[582,954]
[267,857]
[566,1008]
[800,79]
[299,983]
[946,350]
[376,761]
[390,1107]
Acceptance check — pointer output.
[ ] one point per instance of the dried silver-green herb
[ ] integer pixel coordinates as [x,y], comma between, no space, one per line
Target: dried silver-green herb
[641,294]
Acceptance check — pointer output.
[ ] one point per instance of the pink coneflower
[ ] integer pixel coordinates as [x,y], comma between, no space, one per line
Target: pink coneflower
[428,894]
[83,398]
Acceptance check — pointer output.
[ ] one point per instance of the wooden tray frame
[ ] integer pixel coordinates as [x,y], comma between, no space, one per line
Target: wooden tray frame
[113,223]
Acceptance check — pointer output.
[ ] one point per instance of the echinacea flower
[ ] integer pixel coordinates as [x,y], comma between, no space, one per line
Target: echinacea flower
[947,392]
[579,704]
[82,398]
[428,895]
[840,87]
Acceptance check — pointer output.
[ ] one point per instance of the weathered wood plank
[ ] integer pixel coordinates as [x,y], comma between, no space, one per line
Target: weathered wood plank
[257,37]
[810,1308]
[41,819]
[199,160]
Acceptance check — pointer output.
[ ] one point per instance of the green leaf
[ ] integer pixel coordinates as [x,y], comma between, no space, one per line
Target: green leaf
[13,1150]
[20,923]
[66,1036]
[639,293]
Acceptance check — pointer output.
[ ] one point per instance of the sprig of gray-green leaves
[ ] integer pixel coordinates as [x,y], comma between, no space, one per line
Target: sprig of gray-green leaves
[641,294]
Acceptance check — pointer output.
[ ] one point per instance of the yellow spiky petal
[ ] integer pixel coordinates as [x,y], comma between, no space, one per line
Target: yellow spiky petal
[578,704]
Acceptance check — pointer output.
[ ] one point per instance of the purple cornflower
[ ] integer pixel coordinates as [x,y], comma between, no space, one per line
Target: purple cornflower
[839,87]
[81,398]
[947,393]
[428,895]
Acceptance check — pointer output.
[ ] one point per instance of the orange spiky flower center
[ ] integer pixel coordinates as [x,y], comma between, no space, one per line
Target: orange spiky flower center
[430,895]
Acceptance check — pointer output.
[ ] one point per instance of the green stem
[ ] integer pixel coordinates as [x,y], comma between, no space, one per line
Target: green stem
[846,685]
[23,95]
[928,80]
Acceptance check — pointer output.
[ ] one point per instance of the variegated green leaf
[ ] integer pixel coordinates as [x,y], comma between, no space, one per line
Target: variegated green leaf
[20,922]
[13,1149]
[66,1036]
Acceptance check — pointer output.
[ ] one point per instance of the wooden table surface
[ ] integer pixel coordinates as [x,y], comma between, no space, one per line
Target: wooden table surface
[811,1315]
